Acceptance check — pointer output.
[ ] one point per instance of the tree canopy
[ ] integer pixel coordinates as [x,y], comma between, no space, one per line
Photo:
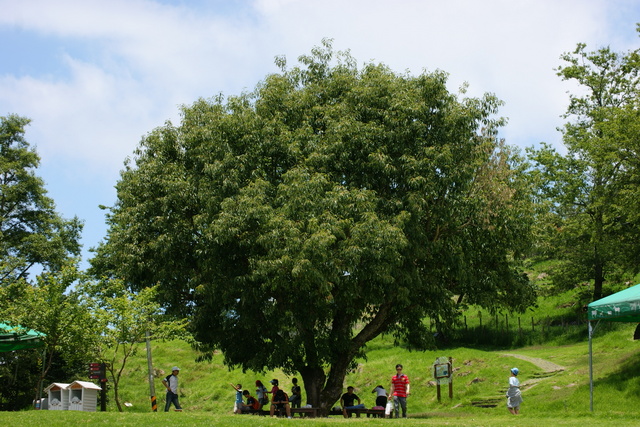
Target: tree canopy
[330,205]
[592,190]
[31,231]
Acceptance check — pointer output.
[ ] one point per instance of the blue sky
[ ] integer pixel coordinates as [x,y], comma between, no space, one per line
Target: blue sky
[96,75]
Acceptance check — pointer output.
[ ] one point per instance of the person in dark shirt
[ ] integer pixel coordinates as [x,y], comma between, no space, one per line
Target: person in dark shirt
[280,401]
[296,394]
[347,400]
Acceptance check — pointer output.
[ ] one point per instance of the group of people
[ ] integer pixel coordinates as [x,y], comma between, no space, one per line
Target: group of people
[394,401]
[280,400]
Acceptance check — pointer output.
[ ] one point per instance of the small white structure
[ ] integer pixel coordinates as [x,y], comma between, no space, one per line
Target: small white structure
[58,396]
[83,396]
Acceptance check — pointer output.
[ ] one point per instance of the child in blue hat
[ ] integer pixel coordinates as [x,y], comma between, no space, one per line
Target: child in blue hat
[514,397]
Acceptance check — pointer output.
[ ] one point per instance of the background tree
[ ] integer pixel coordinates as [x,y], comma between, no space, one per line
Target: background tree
[593,230]
[331,205]
[51,306]
[31,232]
[123,319]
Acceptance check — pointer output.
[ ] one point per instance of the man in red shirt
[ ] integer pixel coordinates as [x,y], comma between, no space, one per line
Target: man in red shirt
[399,391]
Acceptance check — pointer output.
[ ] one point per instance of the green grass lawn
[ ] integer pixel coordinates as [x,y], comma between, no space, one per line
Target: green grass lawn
[561,398]
[480,376]
[200,418]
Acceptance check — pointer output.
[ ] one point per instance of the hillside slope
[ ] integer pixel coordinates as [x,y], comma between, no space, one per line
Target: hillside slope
[479,376]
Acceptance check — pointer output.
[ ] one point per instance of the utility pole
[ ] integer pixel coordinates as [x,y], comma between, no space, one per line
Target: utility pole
[152,386]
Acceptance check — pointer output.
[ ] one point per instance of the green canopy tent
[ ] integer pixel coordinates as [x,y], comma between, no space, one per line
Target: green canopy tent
[623,306]
[19,338]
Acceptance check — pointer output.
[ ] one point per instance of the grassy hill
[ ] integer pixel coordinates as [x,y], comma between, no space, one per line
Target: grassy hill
[479,375]
[553,395]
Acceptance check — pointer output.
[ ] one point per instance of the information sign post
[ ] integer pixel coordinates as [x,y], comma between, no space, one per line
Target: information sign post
[442,369]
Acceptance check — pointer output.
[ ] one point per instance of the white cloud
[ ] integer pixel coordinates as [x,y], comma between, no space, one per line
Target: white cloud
[141,59]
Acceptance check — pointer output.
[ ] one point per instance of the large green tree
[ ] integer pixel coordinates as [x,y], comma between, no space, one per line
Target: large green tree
[591,190]
[31,231]
[332,204]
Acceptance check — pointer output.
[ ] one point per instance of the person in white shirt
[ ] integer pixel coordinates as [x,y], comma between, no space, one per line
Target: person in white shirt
[171,384]
[514,397]
[381,395]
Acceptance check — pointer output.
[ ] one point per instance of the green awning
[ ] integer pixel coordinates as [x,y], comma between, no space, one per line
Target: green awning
[623,306]
[19,338]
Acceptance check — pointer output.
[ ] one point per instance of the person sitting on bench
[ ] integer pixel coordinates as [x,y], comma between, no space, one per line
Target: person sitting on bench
[280,400]
[346,401]
[252,404]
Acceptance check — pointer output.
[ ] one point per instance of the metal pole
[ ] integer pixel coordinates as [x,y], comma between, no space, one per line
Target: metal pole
[450,377]
[152,386]
[590,368]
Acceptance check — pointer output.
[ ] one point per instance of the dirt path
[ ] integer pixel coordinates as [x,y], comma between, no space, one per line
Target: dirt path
[549,369]
[545,365]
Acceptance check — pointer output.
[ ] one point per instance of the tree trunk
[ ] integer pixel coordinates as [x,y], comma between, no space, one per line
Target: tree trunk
[598,263]
[334,386]
[598,280]
[117,396]
[314,378]
[116,380]
[322,392]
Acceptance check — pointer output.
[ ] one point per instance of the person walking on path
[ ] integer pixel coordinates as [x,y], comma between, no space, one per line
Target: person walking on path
[514,397]
[400,390]
[171,384]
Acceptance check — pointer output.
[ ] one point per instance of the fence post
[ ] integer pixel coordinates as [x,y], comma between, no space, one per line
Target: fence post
[519,328]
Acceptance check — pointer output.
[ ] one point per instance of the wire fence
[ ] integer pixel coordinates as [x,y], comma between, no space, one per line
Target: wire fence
[511,330]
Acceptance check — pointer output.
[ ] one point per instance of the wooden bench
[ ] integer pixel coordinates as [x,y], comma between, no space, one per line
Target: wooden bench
[375,413]
[305,412]
[353,411]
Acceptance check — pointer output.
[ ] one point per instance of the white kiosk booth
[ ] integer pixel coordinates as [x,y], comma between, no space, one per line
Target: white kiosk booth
[58,396]
[83,396]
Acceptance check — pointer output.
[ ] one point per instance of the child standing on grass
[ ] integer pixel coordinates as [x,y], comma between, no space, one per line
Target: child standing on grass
[237,406]
[261,393]
[514,397]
